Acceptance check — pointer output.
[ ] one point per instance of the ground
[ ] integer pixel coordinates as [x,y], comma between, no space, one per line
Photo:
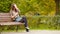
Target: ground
[35,32]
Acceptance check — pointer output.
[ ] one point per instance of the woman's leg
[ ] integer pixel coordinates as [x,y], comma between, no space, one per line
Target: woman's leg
[24,20]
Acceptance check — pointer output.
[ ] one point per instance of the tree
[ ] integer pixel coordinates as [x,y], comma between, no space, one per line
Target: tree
[57,7]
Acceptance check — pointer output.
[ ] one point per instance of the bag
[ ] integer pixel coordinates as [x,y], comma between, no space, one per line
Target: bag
[18,19]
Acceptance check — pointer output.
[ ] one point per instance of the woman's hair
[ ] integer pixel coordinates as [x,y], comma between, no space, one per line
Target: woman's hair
[14,7]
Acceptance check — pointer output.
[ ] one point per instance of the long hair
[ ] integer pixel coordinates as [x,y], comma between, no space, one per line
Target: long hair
[14,7]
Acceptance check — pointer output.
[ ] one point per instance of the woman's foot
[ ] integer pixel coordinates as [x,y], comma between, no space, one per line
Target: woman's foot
[27,29]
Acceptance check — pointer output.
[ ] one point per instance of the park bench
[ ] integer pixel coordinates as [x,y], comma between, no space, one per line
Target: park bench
[5,19]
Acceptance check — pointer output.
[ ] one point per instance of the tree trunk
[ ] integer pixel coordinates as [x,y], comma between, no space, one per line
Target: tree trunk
[57,6]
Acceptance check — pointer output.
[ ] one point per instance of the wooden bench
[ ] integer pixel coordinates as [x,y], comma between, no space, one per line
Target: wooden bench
[5,19]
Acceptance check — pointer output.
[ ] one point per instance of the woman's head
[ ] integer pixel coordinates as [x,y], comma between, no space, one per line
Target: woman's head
[14,7]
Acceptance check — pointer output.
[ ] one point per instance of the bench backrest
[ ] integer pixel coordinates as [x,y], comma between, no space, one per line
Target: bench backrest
[5,17]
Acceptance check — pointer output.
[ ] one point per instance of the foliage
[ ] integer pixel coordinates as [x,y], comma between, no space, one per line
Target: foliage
[43,7]
[31,9]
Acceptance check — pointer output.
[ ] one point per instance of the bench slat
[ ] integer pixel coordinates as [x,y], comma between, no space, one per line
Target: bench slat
[3,14]
[10,23]
[5,19]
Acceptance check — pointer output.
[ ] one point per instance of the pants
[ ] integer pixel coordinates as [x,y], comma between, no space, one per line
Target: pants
[23,20]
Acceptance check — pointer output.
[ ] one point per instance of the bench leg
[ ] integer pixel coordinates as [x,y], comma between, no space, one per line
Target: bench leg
[16,28]
[1,29]
[0,32]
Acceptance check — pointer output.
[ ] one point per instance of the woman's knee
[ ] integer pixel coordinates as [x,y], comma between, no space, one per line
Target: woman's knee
[24,17]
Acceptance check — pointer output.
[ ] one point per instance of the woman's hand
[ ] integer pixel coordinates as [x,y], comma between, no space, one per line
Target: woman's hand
[12,16]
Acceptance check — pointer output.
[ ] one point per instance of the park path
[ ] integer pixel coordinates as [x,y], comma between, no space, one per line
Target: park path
[35,32]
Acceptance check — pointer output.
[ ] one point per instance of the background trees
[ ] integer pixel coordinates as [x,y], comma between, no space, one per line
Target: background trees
[43,7]
[32,8]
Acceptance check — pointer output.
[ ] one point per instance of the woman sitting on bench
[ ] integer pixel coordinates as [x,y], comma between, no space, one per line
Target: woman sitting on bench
[15,16]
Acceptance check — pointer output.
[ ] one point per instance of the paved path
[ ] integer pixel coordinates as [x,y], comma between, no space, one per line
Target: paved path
[34,32]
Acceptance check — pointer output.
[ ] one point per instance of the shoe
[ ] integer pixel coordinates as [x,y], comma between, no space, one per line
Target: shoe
[27,29]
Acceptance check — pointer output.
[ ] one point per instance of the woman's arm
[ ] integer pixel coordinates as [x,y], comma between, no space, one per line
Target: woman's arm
[13,16]
[16,14]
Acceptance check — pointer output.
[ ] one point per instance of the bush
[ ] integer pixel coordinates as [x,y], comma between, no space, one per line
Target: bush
[43,7]
[30,8]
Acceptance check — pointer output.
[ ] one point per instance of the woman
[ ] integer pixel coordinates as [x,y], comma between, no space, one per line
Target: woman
[15,16]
